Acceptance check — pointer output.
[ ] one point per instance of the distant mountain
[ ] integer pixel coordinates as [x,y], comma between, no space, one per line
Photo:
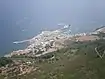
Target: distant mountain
[101,29]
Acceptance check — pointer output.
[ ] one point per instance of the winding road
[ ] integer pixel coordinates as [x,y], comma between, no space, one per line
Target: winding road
[101,56]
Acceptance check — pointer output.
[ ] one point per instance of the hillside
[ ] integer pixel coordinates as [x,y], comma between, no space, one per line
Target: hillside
[78,61]
[101,29]
[81,56]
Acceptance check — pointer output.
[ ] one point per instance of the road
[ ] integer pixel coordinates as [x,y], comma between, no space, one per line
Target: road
[101,56]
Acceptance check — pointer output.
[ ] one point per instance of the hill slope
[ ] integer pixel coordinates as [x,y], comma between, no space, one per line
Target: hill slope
[78,61]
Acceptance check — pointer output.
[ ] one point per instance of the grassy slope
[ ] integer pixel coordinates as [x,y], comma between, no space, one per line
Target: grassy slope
[81,64]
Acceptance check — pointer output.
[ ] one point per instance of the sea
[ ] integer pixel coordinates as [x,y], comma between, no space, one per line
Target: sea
[24,19]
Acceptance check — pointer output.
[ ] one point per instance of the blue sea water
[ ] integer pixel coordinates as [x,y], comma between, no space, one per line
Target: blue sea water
[23,19]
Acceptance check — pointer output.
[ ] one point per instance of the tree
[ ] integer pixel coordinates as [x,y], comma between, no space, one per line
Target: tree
[4,61]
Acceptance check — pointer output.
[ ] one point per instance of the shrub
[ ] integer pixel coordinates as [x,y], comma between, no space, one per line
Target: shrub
[4,61]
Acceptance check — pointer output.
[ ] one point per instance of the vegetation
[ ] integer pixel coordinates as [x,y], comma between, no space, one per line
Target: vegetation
[77,61]
[82,63]
[4,61]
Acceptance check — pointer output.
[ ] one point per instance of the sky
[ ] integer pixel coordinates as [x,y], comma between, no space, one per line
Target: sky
[48,13]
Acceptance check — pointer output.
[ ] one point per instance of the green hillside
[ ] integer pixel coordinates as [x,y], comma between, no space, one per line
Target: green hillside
[78,61]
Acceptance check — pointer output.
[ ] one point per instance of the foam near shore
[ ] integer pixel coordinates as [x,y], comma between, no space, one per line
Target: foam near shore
[18,42]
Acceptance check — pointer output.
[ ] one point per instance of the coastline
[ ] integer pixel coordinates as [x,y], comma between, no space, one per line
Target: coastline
[50,40]
[41,40]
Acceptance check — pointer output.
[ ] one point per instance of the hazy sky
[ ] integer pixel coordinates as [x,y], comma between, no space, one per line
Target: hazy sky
[48,13]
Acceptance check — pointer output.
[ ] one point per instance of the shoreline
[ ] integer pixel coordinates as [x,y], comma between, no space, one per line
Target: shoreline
[39,41]
[49,40]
